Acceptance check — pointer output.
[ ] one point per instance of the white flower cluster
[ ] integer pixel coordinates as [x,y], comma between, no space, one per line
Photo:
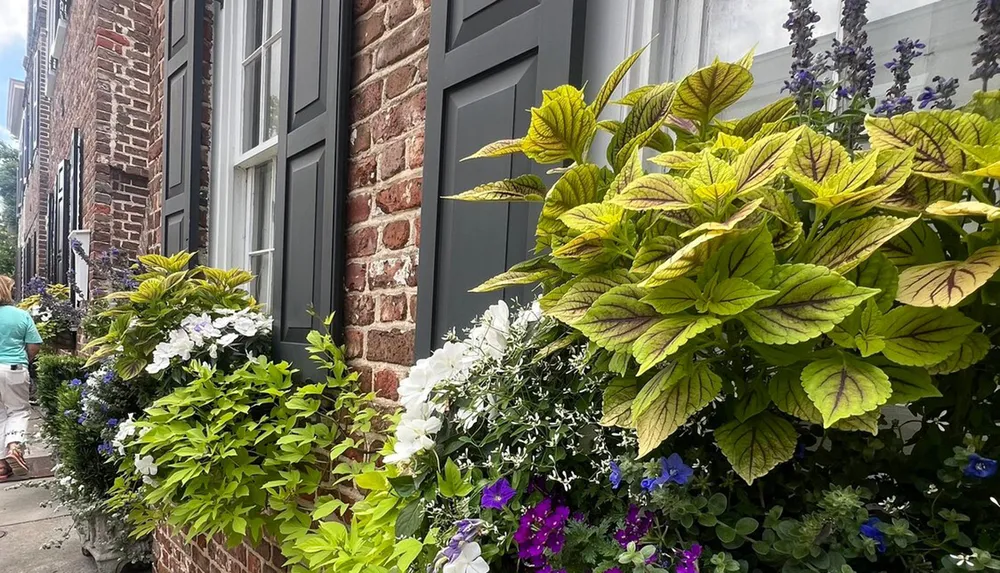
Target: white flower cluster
[126,429]
[449,366]
[213,331]
[40,315]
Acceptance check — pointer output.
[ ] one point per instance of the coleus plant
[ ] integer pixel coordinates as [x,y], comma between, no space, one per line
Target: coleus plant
[765,267]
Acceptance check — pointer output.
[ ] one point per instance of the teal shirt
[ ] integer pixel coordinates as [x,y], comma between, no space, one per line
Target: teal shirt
[17,328]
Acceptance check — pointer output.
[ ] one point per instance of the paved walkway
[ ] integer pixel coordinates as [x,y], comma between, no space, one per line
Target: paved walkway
[28,523]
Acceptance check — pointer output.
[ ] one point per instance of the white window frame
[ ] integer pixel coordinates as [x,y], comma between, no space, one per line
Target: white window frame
[231,204]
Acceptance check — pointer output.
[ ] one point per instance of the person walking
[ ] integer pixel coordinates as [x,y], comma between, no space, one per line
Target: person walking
[19,344]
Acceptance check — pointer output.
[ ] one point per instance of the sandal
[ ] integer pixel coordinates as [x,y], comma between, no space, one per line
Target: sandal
[5,471]
[15,459]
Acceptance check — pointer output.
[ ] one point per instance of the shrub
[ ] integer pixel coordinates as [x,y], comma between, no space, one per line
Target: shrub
[53,372]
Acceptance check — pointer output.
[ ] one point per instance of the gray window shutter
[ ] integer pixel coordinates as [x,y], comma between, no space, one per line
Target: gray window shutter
[183,89]
[489,62]
[311,177]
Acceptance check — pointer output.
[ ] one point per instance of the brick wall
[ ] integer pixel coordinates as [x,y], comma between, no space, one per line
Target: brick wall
[34,207]
[175,555]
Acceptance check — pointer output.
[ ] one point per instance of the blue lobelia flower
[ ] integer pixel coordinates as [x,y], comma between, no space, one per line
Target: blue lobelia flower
[980,467]
[616,476]
[870,530]
[498,495]
[674,470]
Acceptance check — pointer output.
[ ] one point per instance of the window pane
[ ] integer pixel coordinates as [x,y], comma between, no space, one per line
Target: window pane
[251,103]
[260,287]
[263,207]
[255,25]
[270,119]
[275,17]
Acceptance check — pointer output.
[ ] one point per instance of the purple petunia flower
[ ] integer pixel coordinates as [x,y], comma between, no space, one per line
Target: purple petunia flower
[689,559]
[541,530]
[616,476]
[498,495]
[648,484]
[980,467]
[636,525]
[870,530]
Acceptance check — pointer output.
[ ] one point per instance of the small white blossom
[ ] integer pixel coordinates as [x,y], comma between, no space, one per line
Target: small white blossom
[469,560]
[145,465]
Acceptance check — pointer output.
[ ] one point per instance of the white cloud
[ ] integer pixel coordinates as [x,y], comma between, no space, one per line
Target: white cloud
[13,23]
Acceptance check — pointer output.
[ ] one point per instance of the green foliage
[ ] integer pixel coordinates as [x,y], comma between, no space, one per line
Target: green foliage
[767,256]
[52,373]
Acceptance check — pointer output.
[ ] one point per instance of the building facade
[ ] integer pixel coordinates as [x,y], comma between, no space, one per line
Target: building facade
[314,141]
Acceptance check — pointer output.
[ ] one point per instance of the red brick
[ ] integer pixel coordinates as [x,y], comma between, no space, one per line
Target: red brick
[361,172]
[369,29]
[400,117]
[416,230]
[404,40]
[396,234]
[354,343]
[391,160]
[358,208]
[361,138]
[399,11]
[366,100]
[253,564]
[392,308]
[393,346]
[386,384]
[361,68]
[392,273]
[362,243]
[399,80]
[413,307]
[360,309]
[362,6]
[399,196]
[364,376]
[415,152]
[356,277]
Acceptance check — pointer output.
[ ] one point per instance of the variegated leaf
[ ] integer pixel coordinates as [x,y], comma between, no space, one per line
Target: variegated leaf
[686,260]
[630,171]
[617,405]
[667,337]
[756,446]
[772,113]
[974,348]
[949,283]
[498,149]
[748,256]
[581,294]
[843,386]
[729,224]
[917,244]
[562,128]
[851,243]
[580,185]
[523,188]
[910,384]
[675,296]
[923,336]
[817,156]
[653,252]
[657,191]
[682,160]
[764,160]
[592,216]
[618,318]
[676,394]
[706,92]
[527,272]
[611,84]
[963,209]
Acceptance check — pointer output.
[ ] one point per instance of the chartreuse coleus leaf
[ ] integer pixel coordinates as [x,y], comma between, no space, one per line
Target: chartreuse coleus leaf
[963,209]
[918,192]
[811,300]
[617,403]
[844,385]
[815,158]
[763,161]
[730,223]
[711,170]
[667,336]
[642,124]
[787,393]
[562,128]
[684,261]
[727,142]
[851,243]
[752,401]
[582,292]
[949,283]
[877,272]
[634,96]
[973,349]
[748,256]
[868,339]
[916,245]
[655,191]
[933,136]
[669,399]
[585,246]
[611,84]
[731,296]
[630,171]
[592,217]
[910,384]
[703,94]
[893,168]
[580,185]
[498,149]
[677,160]
[923,336]
[618,318]
[676,296]
[654,251]
[772,113]
[987,156]
[527,272]
[755,446]
[523,188]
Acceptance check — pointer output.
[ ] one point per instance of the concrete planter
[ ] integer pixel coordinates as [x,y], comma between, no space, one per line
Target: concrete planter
[97,534]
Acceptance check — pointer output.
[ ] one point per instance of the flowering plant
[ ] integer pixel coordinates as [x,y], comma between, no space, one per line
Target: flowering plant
[51,307]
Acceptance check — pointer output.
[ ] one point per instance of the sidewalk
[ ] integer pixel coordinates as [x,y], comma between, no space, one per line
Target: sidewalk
[27,525]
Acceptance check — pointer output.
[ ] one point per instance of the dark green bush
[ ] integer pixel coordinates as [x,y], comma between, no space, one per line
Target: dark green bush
[52,373]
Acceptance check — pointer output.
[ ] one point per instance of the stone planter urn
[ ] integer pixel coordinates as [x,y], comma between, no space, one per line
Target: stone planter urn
[97,535]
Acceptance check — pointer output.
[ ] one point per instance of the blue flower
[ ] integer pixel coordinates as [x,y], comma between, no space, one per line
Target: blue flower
[69,413]
[674,470]
[75,382]
[498,495]
[870,530]
[81,419]
[112,422]
[616,476]
[649,484]
[105,449]
[980,467]
[109,376]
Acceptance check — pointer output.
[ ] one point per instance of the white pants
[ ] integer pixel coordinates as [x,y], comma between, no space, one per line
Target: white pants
[14,407]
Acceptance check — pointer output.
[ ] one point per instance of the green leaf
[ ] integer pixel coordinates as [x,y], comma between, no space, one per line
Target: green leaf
[676,396]
[923,336]
[948,284]
[732,296]
[611,84]
[817,156]
[618,318]
[592,217]
[764,161]
[751,125]
[523,188]
[877,272]
[582,293]
[673,297]
[751,402]
[910,384]
[787,393]
[747,256]
[527,272]
[843,386]
[917,245]
[618,398]
[756,446]
[853,242]
[867,422]
[706,92]
[811,300]
[667,337]
[562,128]
[686,260]
[932,134]
[973,349]
[746,526]
[641,124]
[654,251]
[630,171]
[655,191]
[869,340]
[580,185]
[409,519]
[498,149]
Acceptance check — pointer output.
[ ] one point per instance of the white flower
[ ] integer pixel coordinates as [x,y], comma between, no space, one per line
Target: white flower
[145,465]
[415,433]
[126,429]
[416,388]
[450,362]
[490,336]
[200,328]
[963,561]
[528,315]
[245,326]
[470,560]
[213,351]
[995,502]
[228,339]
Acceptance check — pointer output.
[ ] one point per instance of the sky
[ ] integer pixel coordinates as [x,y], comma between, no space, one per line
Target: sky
[13,35]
